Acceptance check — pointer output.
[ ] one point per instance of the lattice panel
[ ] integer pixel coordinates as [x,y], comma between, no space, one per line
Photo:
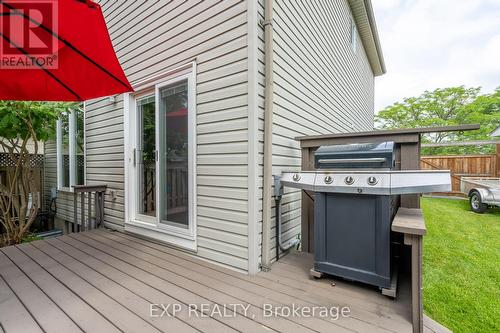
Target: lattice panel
[36,161]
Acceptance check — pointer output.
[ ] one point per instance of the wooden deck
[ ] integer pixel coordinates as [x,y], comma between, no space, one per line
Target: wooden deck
[104,281]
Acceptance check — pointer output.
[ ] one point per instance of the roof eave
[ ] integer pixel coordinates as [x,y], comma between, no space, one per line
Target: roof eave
[363,15]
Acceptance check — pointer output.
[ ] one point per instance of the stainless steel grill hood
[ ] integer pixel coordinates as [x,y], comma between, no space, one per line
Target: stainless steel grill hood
[356,155]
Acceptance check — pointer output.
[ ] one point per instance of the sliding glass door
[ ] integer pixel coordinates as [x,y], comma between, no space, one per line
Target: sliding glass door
[174,154]
[146,157]
[163,194]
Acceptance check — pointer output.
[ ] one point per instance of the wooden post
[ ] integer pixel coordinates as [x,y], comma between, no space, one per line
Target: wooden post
[96,209]
[410,160]
[89,211]
[307,211]
[101,207]
[75,210]
[410,223]
[497,164]
[417,308]
[83,225]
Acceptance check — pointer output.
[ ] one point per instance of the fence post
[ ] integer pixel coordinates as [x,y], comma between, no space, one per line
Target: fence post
[497,164]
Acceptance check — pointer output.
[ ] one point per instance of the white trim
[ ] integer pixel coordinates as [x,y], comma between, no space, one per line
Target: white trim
[72,147]
[149,231]
[135,139]
[126,154]
[253,147]
[154,79]
[182,237]
[59,154]
[84,143]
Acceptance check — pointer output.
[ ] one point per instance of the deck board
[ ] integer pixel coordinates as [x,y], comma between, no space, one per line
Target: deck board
[269,291]
[123,296]
[140,288]
[80,312]
[13,315]
[245,292]
[124,319]
[155,278]
[106,281]
[280,324]
[44,311]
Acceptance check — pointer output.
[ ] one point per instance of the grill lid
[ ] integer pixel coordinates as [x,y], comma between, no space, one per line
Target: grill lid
[355,156]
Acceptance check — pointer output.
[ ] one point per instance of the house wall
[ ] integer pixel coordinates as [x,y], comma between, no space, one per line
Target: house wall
[317,76]
[155,37]
[320,86]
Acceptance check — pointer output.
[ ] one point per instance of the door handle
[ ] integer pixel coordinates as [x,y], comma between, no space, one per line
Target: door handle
[134,157]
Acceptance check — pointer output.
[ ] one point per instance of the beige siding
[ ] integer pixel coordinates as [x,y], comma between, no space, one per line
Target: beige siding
[320,85]
[154,37]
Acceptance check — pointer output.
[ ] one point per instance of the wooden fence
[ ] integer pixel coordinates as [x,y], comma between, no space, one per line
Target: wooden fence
[463,166]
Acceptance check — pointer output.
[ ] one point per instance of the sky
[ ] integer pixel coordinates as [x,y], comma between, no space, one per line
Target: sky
[429,44]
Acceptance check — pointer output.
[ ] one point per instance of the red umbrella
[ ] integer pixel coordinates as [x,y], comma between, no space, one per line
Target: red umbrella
[56,50]
[182,112]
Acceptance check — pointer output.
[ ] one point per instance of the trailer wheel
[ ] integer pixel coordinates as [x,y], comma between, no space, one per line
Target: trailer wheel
[476,203]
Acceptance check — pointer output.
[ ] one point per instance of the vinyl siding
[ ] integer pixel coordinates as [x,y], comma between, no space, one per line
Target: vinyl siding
[320,86]
[153,37]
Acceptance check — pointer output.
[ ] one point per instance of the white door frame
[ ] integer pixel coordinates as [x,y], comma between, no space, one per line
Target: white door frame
[152,228]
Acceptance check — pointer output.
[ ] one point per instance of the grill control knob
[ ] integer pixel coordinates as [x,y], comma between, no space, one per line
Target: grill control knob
[372,181]
[349,180]
[328,179]
[296,177]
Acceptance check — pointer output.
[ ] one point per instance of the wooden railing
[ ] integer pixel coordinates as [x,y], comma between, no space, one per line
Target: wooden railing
[149,190]
[89,218]
[177,194]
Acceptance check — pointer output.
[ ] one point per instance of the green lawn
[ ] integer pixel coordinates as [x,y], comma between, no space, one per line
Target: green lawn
[462,266]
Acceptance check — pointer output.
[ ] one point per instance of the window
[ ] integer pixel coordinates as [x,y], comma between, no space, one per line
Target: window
[70,149]
[354,36]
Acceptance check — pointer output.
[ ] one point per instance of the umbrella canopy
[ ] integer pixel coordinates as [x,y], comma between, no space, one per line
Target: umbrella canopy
[56,50]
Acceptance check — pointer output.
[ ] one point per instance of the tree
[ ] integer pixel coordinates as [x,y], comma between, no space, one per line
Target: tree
[22,123]
[442,107]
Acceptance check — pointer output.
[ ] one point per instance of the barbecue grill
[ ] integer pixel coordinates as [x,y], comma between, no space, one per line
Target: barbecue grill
[356,195]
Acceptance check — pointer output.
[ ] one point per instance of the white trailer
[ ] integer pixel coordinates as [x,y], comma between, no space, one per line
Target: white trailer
[482,192]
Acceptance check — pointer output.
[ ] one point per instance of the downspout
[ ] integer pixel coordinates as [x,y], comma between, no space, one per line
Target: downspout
[268,134]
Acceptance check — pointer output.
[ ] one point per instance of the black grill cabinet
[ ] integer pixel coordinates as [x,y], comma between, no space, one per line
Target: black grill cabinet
[352,231]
